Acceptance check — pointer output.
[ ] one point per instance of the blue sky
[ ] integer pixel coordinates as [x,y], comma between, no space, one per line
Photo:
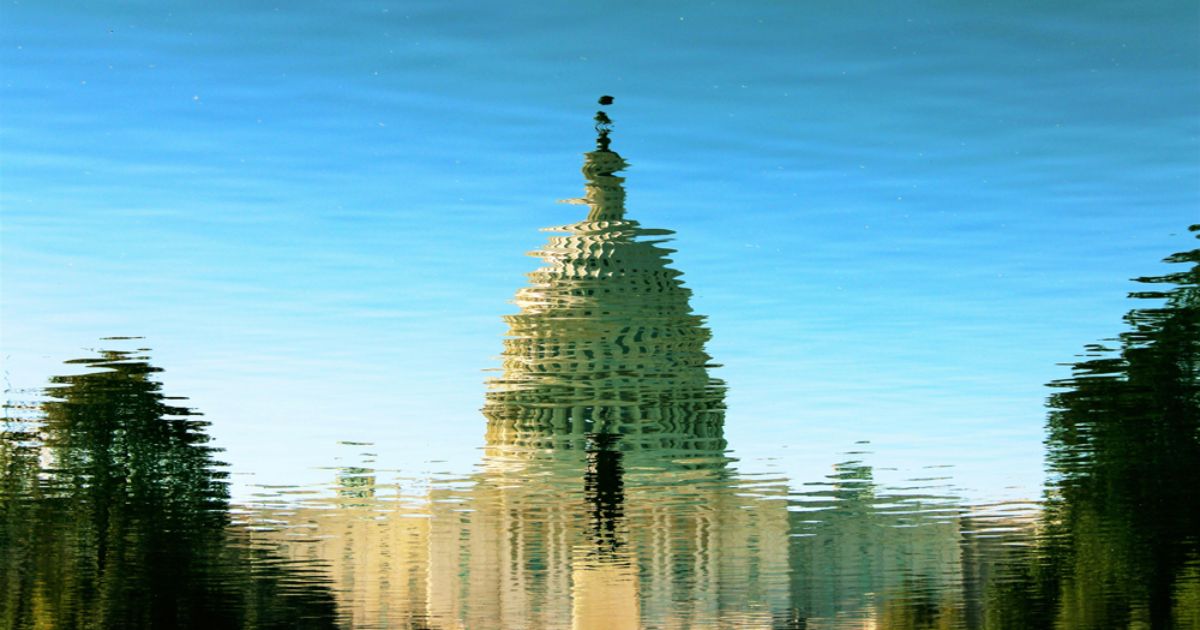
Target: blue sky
[899,218]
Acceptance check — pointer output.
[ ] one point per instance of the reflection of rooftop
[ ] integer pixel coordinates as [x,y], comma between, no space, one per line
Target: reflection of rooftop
[663,537]
[605,340]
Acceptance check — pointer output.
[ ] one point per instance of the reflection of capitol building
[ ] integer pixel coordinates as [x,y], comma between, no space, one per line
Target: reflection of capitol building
[605,498]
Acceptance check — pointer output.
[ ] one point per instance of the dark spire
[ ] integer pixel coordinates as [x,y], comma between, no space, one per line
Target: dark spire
[603,125]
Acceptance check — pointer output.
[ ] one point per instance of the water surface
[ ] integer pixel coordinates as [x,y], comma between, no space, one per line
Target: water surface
[901,222]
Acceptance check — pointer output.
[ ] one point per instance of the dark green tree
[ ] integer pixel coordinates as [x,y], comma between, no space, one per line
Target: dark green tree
[115,515]
[1123,450]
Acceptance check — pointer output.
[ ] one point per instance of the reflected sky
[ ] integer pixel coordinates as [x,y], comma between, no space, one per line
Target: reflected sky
[899,219]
